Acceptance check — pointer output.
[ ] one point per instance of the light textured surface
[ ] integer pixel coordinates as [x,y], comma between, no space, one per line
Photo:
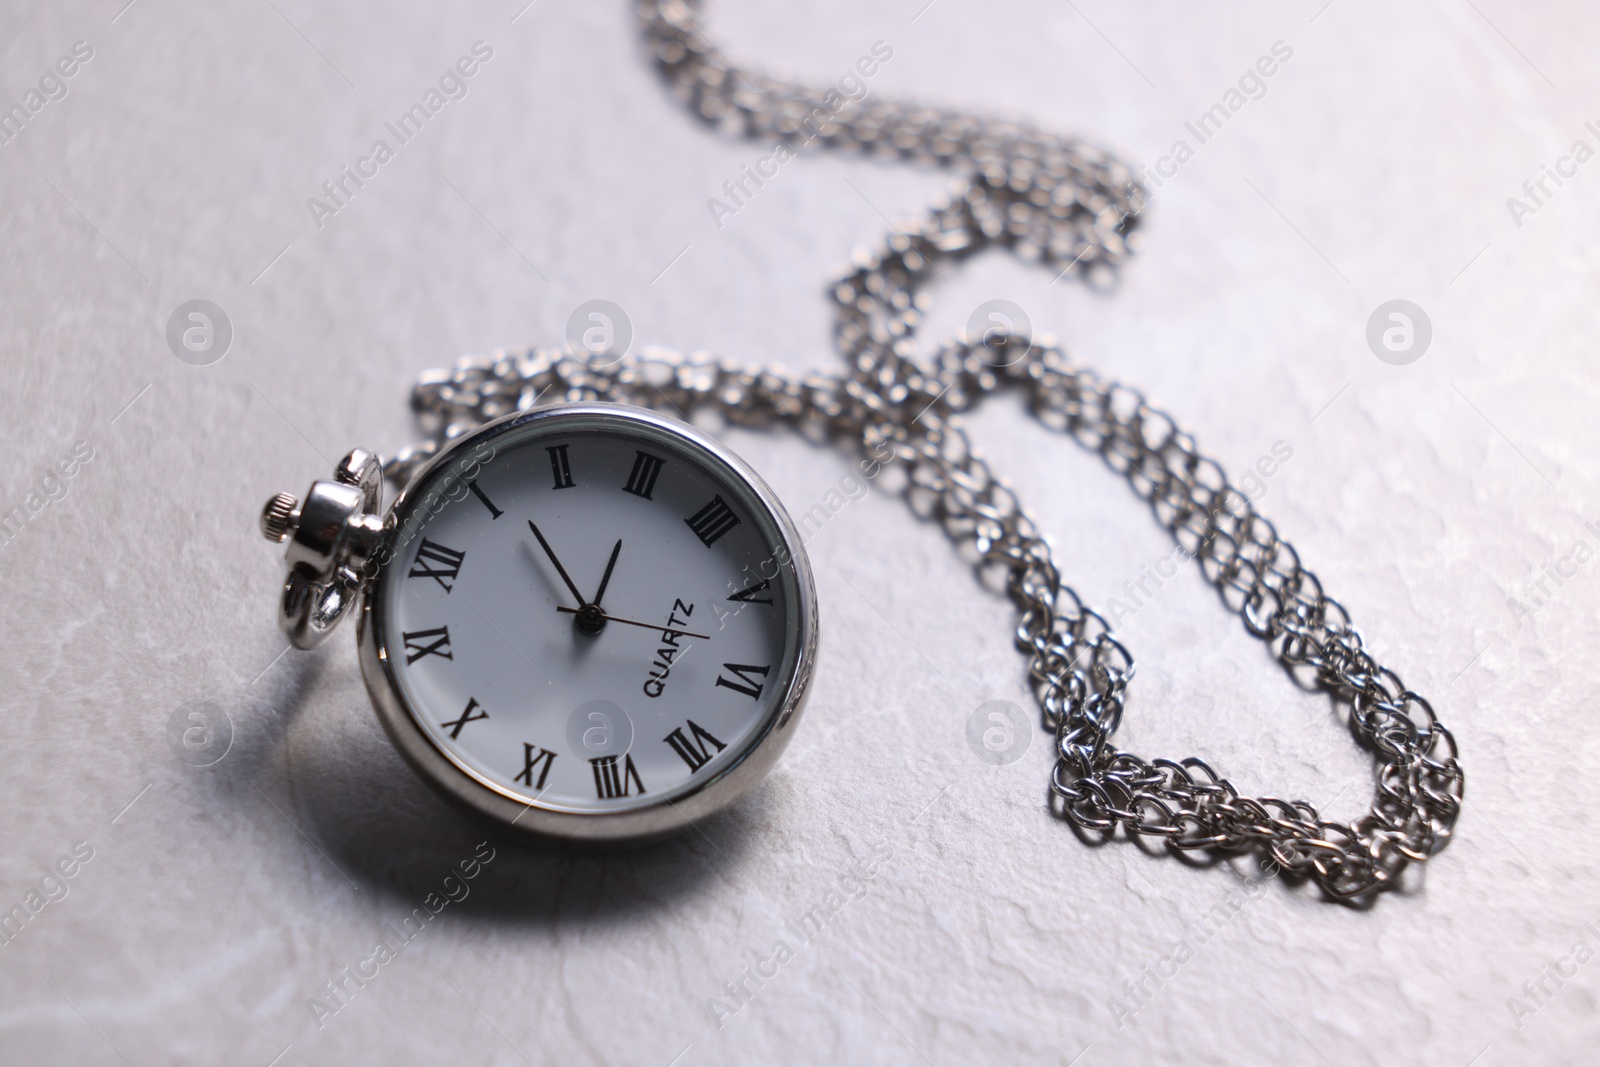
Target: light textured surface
[1377,166]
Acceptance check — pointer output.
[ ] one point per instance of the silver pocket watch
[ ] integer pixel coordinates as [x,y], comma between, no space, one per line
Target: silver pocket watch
[593,623]
[589,622]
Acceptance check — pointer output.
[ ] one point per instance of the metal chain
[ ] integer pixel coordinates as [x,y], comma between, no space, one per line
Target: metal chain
[1066,205]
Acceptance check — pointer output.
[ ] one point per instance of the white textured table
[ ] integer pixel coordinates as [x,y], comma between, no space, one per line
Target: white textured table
[967,925]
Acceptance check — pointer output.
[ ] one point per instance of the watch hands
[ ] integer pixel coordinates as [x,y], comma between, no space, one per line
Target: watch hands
[591,620]
[565,577]
[605,578]
[629,622]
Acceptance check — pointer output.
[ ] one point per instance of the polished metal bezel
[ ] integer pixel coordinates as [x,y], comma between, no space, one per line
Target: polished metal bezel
[670,814]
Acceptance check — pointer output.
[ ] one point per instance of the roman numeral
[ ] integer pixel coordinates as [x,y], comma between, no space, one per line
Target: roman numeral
[541,759]
[642,479]
[438,562]
[610,781]
[560,466]
[418,644]
[693,749]
[748,593]
[745,672]
[712,521]
[494,512]
[455,725]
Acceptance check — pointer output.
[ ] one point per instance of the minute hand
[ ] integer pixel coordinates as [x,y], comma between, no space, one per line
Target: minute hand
[629,622]
[565,577]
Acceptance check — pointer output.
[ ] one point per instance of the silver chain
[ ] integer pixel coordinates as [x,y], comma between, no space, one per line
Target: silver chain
[1065,205]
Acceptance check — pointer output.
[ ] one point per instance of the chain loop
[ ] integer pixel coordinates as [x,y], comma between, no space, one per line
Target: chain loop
[1067,206]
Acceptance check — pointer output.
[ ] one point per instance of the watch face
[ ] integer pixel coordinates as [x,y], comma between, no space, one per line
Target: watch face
[591,610]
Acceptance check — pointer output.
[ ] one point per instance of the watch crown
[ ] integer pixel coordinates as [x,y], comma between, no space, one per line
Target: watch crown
[278,517]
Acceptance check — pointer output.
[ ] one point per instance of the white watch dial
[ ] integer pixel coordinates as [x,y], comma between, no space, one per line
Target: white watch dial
[651,665]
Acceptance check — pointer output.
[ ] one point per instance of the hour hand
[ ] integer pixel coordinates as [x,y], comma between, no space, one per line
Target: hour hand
[565,577]
[605,579]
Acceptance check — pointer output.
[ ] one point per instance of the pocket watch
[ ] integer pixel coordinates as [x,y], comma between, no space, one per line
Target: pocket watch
[590,621]
[593,623]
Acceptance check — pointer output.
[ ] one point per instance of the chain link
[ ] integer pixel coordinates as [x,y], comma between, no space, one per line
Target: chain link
[1067,206]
